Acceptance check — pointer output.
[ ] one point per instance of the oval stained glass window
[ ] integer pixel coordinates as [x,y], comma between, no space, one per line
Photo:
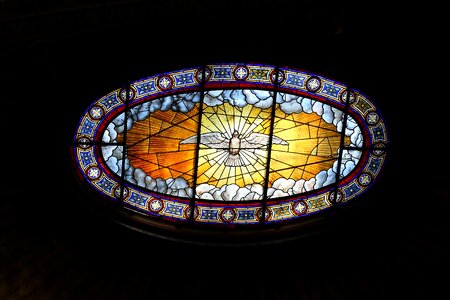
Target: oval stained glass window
[231,144]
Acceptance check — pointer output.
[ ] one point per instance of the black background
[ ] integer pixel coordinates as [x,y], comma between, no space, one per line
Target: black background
[58,57]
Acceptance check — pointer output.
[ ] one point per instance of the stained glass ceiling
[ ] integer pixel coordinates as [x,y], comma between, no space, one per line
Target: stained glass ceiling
[231,144]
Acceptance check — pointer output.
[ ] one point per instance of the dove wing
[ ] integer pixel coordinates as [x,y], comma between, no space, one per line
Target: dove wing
[258,140]
[211,139]
[277,140]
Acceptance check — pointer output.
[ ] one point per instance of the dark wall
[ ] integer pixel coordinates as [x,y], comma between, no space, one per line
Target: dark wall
[58,57]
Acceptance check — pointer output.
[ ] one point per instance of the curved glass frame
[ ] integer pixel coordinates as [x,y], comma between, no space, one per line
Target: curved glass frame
[93,140]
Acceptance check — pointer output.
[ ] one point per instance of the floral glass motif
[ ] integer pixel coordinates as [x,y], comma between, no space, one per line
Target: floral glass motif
[199,144]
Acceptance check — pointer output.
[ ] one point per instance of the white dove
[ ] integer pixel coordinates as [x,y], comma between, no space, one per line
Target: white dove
[235,144]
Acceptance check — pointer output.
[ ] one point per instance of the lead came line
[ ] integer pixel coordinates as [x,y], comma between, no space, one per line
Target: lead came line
[124,146]
[266,179]
[197,150]
[341,147]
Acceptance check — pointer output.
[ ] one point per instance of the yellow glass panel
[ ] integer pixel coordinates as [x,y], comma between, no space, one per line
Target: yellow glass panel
[312,146]
[154,144]
[229,152]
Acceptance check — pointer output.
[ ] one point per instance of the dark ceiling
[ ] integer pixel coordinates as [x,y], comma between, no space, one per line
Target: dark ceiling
[59,56]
